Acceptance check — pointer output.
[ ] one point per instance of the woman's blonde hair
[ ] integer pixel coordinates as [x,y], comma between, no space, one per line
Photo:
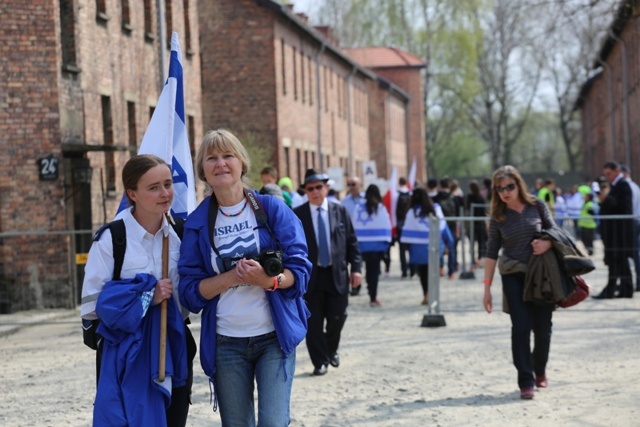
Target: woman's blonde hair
[225,142]
[497,205]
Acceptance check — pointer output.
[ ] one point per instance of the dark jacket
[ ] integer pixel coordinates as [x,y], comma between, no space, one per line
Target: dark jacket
[548,276]
[344,245]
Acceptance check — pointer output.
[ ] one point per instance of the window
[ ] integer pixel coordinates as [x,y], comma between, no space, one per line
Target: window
[192,136]
[126,16]
[310,80]
[107,136]
[168,17]
[132,128]
[295,75]
[148,21]
[67,35]
[187,28]
[283,65]
[302,80]
[287,167]
[101,11]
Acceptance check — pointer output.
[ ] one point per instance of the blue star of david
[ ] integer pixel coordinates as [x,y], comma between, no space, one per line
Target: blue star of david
[364,221]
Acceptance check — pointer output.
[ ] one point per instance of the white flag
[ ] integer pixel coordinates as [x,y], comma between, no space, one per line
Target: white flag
[166,136]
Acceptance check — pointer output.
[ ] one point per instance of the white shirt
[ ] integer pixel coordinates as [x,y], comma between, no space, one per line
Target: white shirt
[243,310]
[325,217]
[143,255]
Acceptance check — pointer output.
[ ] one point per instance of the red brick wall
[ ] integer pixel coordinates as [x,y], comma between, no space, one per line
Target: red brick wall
[32,269]
[410,80]
[238,82]
[603,125]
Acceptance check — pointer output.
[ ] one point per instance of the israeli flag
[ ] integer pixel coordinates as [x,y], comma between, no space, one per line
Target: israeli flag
[166,136]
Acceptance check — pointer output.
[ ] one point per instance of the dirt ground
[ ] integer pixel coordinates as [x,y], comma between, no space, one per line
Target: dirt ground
[393,372]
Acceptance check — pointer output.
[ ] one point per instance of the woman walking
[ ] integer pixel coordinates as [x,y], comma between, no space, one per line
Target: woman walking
[243,262]
[517,217]
[373,228]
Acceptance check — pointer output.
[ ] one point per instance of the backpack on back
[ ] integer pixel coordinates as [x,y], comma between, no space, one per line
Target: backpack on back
[402,206]
[119,242]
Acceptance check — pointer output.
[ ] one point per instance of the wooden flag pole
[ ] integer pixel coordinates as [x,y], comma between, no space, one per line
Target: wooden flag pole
[163,312]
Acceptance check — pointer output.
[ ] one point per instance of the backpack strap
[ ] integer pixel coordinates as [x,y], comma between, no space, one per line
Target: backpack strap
[119,241]
[178,225]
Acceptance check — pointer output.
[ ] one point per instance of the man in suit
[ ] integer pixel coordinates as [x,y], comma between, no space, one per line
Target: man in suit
[332,244]
[617,234]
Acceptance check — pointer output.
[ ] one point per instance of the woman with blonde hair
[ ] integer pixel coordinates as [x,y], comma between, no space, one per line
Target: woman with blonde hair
[243,263]
[516,219]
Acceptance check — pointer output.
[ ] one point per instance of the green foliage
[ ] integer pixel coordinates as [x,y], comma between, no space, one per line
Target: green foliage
[260,154]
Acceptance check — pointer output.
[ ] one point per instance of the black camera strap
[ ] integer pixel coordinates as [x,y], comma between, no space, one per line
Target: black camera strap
[256,207]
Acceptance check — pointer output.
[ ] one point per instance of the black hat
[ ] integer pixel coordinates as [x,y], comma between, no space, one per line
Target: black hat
[314,175]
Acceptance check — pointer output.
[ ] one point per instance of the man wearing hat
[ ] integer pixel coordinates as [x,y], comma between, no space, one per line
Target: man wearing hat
[332,245]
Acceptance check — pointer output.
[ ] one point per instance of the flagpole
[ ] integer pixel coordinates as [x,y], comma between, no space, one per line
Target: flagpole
[163,313]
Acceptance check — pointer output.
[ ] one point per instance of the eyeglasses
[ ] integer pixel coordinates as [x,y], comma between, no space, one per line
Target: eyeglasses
[351,184]
[314,187]
[509,187]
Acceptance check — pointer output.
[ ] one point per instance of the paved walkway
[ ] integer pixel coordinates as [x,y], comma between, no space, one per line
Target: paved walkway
[393,371]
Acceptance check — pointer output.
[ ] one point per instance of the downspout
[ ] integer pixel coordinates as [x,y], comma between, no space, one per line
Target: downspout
[162,35]
[406,137]
[350,121]
[387,133]
[611,118]
[625,99]
[319,98]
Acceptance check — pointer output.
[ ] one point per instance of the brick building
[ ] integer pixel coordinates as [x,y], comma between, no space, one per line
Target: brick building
[289,86]
[610,100]
[79,80]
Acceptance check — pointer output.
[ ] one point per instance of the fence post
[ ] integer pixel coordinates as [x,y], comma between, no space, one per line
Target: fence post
[464,273]
[434,318]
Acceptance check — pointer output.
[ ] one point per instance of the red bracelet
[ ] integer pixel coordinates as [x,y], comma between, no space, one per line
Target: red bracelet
[276,282]
[487,281]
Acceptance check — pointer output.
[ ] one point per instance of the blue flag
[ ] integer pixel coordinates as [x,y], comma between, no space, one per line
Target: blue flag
[166,136]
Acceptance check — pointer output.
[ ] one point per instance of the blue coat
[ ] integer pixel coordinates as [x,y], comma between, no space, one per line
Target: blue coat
[288,309]
[127,393]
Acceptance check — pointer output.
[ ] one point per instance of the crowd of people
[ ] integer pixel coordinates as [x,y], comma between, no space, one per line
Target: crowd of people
[270,268]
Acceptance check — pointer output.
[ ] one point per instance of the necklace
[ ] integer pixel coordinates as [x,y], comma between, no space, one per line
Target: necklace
[228,215]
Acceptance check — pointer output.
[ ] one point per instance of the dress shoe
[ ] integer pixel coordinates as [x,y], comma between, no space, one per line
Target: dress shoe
[526,393]
[321,370]
[335,360]
[602,295]
[541,381]
[624,295]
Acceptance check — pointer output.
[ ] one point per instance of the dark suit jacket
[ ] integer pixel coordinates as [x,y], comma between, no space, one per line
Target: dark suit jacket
[617,234]
[344,245]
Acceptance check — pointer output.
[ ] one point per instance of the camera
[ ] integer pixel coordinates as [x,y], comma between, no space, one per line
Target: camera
[271,262]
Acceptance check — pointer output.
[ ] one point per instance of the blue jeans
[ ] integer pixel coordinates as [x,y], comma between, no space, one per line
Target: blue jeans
[526,317]
[241,360]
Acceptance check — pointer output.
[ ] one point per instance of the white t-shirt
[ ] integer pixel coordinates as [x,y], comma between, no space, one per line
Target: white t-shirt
[243,311]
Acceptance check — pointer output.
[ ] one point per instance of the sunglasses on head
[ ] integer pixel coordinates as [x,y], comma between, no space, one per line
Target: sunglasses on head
[509,187]
[310,188]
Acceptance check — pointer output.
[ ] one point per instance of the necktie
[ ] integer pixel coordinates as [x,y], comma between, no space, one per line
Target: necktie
[323,246]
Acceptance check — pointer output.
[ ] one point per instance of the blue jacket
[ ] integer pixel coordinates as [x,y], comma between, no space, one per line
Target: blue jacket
[288,309]
[127,393]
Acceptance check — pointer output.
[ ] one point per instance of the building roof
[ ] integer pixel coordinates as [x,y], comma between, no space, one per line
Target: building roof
[624,13]
[323,37]
[385,57]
